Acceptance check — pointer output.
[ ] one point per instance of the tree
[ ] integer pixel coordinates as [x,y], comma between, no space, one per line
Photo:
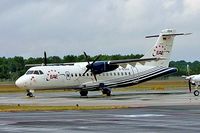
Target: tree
[12,68]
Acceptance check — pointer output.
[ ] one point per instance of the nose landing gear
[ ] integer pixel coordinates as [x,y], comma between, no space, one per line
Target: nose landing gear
[30,93]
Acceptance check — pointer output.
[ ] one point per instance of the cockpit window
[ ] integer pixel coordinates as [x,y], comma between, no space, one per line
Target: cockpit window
[36,72]
[41,72]
[29,72]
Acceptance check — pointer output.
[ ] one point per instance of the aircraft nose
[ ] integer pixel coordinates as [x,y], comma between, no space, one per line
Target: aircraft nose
[20,82]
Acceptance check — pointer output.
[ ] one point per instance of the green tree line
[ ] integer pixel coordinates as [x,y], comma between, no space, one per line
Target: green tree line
[12,68]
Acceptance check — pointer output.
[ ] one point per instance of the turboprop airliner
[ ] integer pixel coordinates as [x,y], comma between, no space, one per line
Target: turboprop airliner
[193,80]
[103,75]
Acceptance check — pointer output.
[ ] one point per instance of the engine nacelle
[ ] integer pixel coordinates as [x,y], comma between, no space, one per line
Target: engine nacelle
[103,66]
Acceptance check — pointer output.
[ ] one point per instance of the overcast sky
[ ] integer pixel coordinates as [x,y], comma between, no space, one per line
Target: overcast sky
[62,27]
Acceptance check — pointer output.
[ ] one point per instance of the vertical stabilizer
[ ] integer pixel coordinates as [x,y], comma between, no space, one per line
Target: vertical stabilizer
[162,48]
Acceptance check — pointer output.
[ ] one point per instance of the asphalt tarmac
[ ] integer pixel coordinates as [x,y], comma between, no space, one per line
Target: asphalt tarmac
[130,99]
[165,119]
[149,112]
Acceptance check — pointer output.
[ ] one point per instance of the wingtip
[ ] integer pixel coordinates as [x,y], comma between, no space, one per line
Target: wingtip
[187,33]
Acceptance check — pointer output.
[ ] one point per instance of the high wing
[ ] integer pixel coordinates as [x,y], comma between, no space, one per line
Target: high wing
[47,64]
[112,62]
[51,64]
[120,62]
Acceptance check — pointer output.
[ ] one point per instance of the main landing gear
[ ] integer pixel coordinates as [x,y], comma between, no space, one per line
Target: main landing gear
[105,90]
[30,93]
[83,93]
[196,92]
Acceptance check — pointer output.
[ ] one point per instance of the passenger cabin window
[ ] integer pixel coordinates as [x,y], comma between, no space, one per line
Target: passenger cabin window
[67,75]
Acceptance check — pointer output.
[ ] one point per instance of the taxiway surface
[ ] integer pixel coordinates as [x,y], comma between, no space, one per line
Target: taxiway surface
[152,111]
[160,119]
[130,99]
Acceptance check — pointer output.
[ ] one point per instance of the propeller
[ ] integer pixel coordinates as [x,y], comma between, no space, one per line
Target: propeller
[189,84]
[91,66]
[45,58]
[189,80]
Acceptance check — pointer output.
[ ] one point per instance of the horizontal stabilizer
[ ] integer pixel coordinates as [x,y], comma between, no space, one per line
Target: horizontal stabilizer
[176,34]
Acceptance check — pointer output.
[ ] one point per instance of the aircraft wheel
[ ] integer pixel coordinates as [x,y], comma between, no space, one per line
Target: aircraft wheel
[196,93]
[83,93]
[107,92]
[29,94]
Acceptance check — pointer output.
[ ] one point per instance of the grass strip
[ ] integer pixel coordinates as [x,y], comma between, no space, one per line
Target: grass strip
[32,108]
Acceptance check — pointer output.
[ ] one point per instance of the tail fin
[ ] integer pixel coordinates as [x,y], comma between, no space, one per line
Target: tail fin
[162,48]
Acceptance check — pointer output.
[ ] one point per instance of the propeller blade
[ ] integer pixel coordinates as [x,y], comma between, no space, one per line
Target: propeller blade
[95,76]
[189,84]
[86,56]
[97,58]
[86,71]
[45,58]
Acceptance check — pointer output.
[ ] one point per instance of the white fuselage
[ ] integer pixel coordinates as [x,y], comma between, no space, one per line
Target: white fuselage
[71,76]
[194,79]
